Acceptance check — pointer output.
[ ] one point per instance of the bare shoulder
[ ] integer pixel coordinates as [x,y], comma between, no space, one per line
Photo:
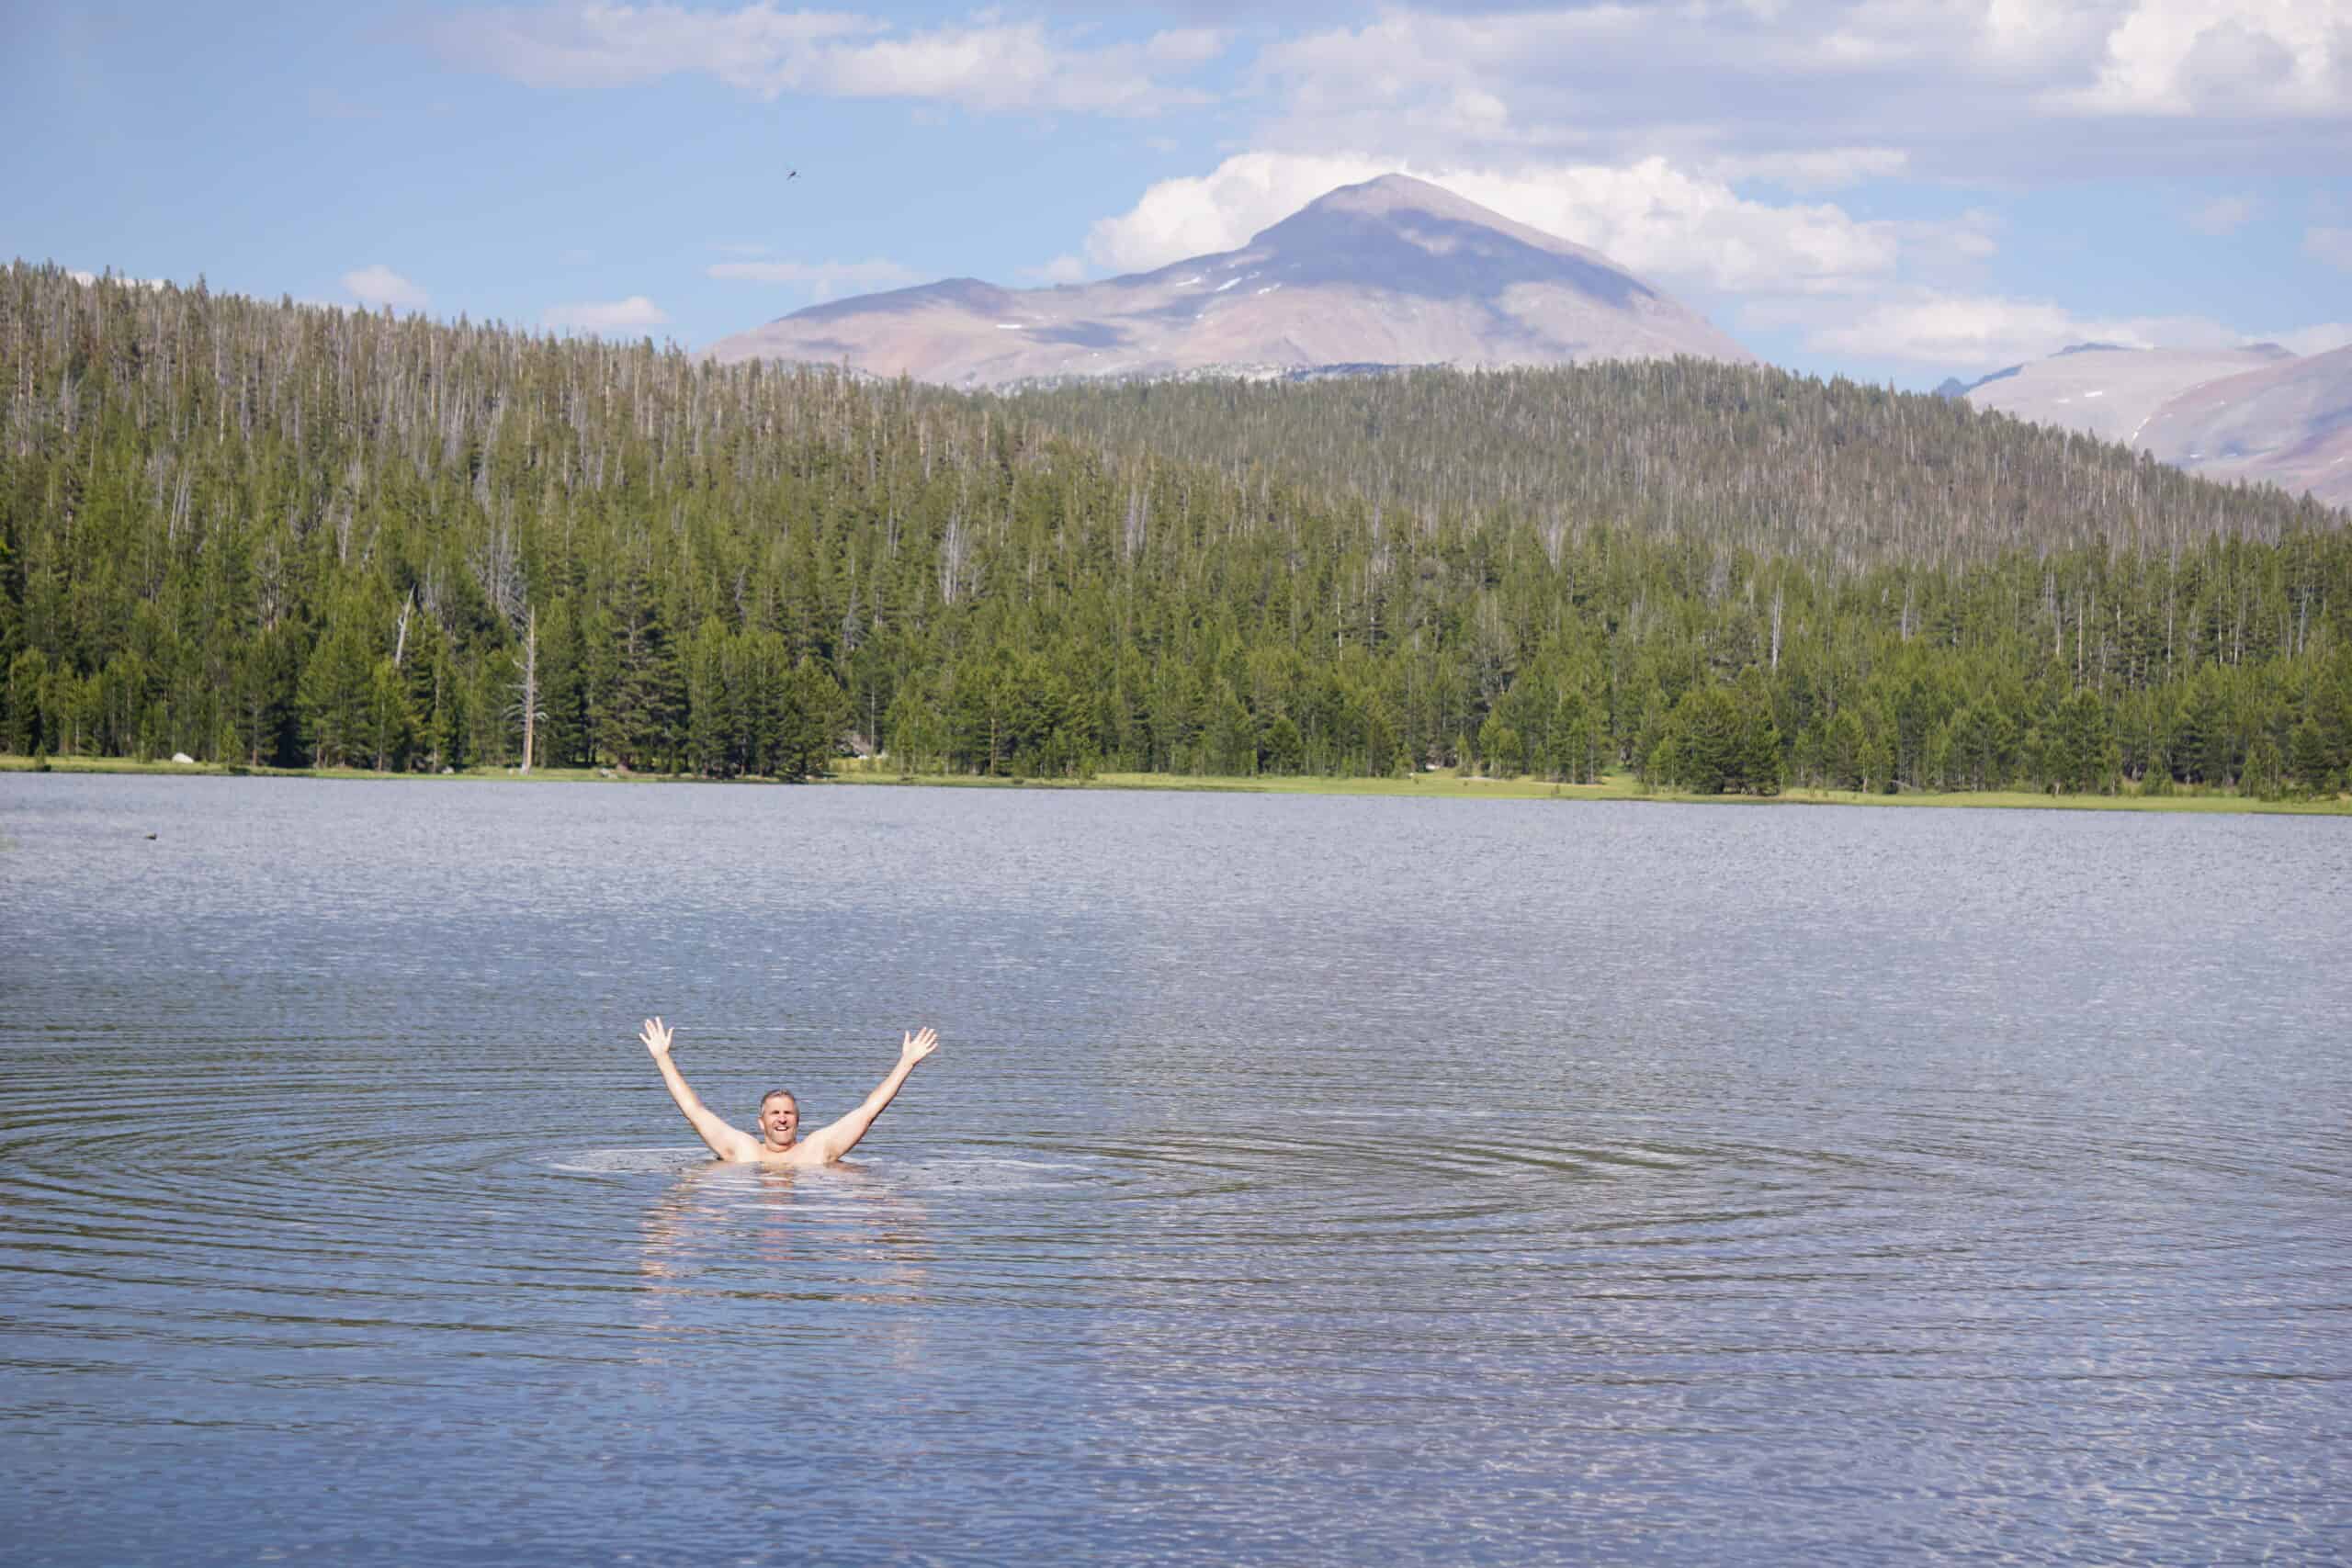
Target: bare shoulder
[828,1143]
[733,1147]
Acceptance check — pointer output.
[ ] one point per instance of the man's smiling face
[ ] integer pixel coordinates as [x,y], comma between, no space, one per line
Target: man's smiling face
[779,1119]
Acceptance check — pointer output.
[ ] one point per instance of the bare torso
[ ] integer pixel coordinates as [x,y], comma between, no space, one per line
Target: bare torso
[780,1143]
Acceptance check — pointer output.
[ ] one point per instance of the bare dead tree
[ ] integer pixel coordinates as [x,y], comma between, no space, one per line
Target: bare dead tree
[400,632]
[498,568]
[526,687]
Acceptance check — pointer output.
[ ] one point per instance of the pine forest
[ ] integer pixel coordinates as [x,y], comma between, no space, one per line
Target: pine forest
[287,536]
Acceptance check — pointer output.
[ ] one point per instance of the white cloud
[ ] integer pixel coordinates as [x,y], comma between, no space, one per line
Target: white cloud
[990,64]
[2225,214]
[1663,222]
[2023,38]
[1811,94]
[378,286]
[2333,246]
[1984,332]
[1818,92]
[1649,216]
[2325,338]
[78,276]
[823,279]
[1967,236]
[1061,269]
[1193,215]
[1186,46]
[593,45]
[633,313]
[2263,58]
[1827,168]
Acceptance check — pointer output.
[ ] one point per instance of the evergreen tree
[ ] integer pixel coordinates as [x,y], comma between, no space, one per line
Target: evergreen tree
[337,696]
[713,724]
[29,731]
[1283,752]
[914,734]
[1758,761]
[2075,758]
[1230,739]
[448,726]
[391,726]
[1845,752]
[2309,761]
[1703,754]
[563,691]
[2264,769]
[815,719]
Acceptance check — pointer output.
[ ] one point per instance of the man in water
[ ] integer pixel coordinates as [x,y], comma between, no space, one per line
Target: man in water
[779,1142]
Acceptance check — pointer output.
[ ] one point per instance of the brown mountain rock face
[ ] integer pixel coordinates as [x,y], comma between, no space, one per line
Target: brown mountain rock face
[1393,271]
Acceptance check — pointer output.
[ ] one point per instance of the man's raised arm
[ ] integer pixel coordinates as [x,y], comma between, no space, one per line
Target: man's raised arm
[724,1141]
[833,1141]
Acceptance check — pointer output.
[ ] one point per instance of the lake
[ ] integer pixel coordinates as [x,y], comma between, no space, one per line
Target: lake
[1300,1179]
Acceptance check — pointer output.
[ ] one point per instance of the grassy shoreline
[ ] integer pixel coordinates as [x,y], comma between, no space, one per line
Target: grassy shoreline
[1441,786]
[1449,786]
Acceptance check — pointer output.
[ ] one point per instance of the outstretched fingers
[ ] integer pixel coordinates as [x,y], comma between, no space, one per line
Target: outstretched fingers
[919,1045]
[656,1035]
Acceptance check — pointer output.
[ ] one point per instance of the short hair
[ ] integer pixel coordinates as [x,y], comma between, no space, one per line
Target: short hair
[773,1093]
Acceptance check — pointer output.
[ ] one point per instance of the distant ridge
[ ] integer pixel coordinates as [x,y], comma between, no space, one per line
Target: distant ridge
[2289,424]
[1392,272]
[2255,412]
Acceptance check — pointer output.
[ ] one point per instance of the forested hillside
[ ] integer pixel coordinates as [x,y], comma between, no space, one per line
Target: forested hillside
[274,534]
[1839,474]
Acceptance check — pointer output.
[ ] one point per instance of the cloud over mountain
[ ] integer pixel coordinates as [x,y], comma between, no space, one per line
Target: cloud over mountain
[378,286]
[1392,270]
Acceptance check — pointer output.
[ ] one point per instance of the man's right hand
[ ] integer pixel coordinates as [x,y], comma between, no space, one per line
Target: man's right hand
[656,1035]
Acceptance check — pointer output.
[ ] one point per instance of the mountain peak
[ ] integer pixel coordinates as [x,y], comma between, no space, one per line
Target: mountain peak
[1404,203]
[1389,195]
[1387,192]
[1391,271]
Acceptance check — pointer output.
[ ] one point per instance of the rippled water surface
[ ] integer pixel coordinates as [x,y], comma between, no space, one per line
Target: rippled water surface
[1300,1179]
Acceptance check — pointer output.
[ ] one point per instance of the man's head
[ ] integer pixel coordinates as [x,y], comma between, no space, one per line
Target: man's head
[779,1117]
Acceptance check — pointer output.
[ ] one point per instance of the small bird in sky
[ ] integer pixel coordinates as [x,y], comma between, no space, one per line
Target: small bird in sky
[794,175]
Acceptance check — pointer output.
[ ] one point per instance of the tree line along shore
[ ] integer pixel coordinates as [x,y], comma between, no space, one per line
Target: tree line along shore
[275,535]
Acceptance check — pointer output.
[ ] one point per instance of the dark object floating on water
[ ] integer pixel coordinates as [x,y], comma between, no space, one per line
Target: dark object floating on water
[151,835]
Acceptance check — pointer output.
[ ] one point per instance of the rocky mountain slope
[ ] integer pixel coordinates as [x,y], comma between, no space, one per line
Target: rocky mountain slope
[2257,413]
[1393,271]
[2289,424]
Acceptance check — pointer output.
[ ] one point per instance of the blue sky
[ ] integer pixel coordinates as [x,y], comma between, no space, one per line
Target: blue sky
[1890,189]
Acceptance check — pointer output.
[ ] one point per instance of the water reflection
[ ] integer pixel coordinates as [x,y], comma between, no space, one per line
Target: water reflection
[734,1256]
